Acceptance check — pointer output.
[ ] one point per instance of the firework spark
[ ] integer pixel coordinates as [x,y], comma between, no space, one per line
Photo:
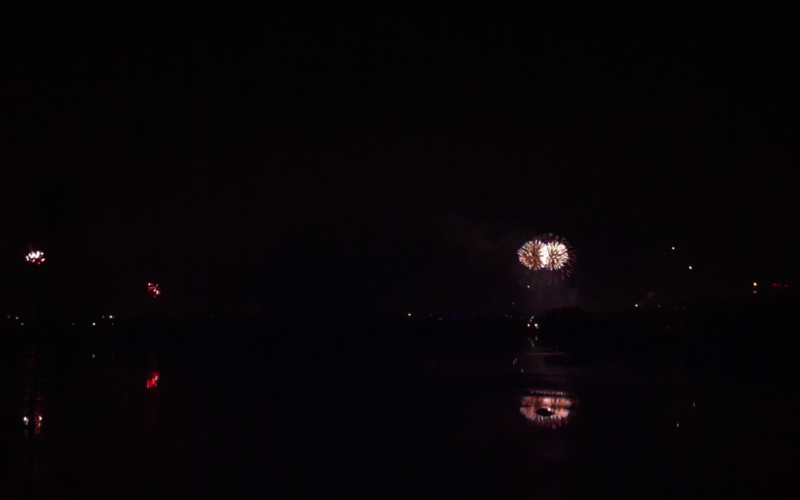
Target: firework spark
[154,289]
[35,257]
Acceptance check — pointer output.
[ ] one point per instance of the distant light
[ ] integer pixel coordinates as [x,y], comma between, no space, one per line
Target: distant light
[755,284]
[92,356]
[25,420]
[102,317]
[73,324]
[454,317]
[536,325]
[636,305]
[690,268]
[22,324]
[93,324]
[16,317]
[678,425]
[673,248]
[693,404]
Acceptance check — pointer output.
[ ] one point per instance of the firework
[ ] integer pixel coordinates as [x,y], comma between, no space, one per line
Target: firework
[35,257]
[556,254]
[532,254]
[153,289]
[550,256]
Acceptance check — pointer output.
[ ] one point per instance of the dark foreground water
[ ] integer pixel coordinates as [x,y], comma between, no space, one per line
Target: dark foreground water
[290,427]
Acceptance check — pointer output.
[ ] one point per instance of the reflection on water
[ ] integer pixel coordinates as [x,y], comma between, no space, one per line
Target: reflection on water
[32,389]
[548,408]
[32,418]
[37,422]
[152,390]
[152,380]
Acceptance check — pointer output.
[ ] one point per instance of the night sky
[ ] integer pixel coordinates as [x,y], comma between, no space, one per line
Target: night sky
[257,163]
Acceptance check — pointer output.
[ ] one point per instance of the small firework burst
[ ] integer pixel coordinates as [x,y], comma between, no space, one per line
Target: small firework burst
[154,289]
[35,257]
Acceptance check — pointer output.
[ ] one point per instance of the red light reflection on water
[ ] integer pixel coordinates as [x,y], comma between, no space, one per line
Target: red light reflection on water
[152,380]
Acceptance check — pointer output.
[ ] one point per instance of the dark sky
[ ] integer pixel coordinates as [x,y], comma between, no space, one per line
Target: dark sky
[252,161]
